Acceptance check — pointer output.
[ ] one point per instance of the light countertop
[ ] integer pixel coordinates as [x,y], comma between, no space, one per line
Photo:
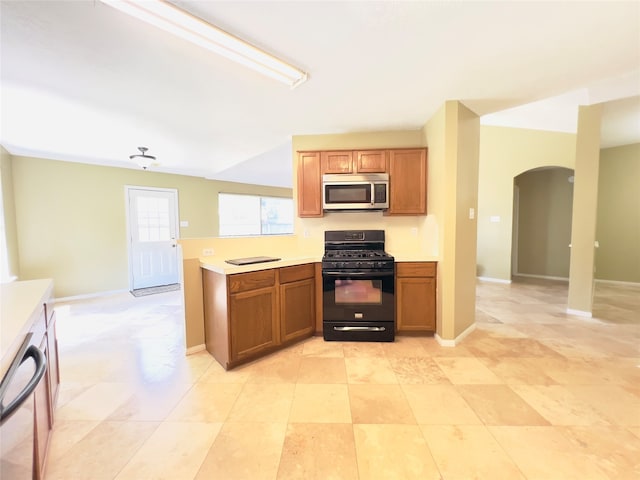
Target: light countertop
[218,265]
[20,301]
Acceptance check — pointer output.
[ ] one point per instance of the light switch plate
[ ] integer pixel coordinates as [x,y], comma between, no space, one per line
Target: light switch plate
[207,252]
[472,213]
[184,223]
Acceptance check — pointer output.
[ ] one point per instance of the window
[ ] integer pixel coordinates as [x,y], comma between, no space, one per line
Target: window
[254,215]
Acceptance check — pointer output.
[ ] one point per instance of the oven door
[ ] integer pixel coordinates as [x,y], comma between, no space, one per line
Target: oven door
[358,305]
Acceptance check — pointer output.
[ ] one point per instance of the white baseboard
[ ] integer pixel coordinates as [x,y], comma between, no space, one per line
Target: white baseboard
[579,313]
[196,349]
[494,280]
[452,343]
[544,277]
[618,282]
[87,296]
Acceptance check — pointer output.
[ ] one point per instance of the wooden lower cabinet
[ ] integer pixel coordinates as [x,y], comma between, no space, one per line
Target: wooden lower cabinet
[297,310]
[253,326]
[415,297]
[250,314]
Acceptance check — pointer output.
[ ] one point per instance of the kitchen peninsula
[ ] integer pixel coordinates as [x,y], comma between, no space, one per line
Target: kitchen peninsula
[255,309]
[239,313]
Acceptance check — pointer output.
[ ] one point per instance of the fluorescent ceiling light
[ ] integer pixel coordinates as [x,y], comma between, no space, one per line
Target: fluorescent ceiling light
[170,18]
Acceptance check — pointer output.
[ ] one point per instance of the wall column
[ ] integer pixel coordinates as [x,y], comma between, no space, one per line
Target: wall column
[455,136]
[585,207]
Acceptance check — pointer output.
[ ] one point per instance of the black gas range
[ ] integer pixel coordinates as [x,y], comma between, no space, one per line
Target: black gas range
[358,287]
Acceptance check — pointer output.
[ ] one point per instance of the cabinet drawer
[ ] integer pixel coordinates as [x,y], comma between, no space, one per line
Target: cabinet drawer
[296,272]
[416,269]
[241,282]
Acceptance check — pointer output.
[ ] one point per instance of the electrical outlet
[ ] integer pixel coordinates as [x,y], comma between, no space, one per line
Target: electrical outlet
[414,232]
[207,252]
[306,234]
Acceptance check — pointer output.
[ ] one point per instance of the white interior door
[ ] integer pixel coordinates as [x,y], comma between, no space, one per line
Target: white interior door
[153,231]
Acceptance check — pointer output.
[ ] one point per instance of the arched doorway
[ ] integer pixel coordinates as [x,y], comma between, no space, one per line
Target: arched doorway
[542,210]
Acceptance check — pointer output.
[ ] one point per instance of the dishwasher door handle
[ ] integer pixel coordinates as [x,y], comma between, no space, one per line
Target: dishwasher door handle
[41,366]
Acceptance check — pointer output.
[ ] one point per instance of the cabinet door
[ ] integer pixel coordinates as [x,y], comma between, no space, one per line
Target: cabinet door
[297,309]
[371,161]
[337,162]
[43,419]
[416,304]
[408,182]
[254,322]
[309,185]
[53,369]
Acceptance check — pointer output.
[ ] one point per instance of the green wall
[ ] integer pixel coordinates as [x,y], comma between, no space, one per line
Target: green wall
[71,219]
[544,222]
[10,241]
[504,154]
[618,222]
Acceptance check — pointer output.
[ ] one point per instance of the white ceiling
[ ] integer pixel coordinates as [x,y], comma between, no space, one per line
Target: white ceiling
[83,82]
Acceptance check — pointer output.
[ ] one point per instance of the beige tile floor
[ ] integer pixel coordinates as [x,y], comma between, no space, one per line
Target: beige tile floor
[532,393]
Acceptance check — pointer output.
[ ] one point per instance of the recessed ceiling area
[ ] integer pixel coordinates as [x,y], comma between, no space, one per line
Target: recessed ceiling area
[84,82]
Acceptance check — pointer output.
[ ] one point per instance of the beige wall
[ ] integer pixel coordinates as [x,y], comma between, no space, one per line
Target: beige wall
[8,205]
[504,154]
[618,221]
[404,235]
[544,222]
[71,219]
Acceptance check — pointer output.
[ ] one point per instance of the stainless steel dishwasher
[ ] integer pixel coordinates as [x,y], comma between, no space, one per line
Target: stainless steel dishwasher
[17,417]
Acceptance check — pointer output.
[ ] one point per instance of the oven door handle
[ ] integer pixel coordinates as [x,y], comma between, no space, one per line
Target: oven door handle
[359,329]
[358,274]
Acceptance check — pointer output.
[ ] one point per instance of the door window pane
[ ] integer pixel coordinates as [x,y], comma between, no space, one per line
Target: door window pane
[153,219]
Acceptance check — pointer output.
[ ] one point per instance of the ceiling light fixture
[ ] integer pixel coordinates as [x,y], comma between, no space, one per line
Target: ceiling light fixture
[142,159]
[170,18]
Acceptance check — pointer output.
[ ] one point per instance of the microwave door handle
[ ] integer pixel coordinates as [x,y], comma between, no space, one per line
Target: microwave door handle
[373,194]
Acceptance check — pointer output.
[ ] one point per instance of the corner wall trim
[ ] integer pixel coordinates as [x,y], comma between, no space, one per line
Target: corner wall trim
[618,282]
[545,277]
[89,295]
[494,280]
[452,343]
[579,313]
[196,349]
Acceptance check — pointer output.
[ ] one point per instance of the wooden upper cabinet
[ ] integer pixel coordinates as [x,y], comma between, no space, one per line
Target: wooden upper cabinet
[309,185]
[408,182]
[370,161]
[337,162]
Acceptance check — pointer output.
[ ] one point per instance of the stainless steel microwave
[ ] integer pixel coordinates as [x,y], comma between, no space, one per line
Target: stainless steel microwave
[355,192]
